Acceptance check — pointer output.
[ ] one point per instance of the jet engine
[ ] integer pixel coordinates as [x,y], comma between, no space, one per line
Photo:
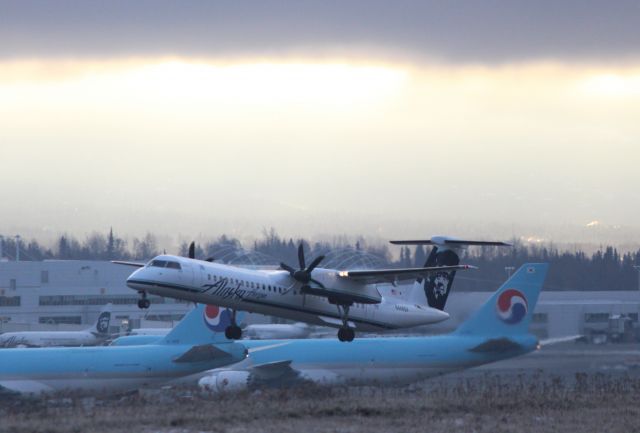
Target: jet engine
[225,381]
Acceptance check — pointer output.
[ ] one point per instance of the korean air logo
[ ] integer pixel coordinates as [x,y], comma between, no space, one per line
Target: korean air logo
[216,318]
[512,306]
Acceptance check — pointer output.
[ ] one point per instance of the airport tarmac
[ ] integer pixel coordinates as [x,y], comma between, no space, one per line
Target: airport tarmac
[573,387]
[567,359]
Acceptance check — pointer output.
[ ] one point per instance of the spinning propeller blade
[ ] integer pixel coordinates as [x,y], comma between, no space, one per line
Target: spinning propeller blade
[303,275]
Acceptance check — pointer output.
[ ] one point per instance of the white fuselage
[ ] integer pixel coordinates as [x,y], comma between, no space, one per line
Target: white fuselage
[49,339]
[150,331]
[275,293]
[277,331]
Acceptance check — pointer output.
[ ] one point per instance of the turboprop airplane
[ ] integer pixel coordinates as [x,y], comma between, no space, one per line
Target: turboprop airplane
[96,334]
[345,299]
[498,330]
[193,346]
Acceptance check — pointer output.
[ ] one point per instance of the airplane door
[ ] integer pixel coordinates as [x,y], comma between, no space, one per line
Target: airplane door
[199,275]
[187,275]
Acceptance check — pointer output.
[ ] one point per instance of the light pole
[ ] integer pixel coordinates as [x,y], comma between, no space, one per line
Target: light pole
[509,270]
[17,248]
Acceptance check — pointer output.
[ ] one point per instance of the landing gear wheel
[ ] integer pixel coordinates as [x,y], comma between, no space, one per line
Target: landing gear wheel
[346,334]
[233,332]
[144,303]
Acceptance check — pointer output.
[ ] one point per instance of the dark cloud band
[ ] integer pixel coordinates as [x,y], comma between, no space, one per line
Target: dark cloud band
[458,31]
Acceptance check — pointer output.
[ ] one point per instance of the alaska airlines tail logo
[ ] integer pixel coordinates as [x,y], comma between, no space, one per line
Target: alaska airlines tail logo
[512,306]
[216,318]
[102,326]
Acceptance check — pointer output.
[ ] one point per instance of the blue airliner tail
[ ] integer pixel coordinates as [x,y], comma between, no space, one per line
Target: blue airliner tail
[203,325]
[508,312]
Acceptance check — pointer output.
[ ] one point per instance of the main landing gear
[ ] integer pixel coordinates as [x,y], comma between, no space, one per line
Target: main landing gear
[233,331]
[143,302]
[345,333]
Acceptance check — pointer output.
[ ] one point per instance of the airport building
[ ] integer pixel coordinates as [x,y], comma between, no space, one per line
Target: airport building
[52,294]
[68,294]
[599,316]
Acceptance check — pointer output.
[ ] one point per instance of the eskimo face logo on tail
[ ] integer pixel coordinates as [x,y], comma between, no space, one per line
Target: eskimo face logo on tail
[103,322]
[216,318]
[512,306]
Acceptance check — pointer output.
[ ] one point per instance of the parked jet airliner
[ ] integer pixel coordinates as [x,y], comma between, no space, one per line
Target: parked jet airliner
[346,299]
[498,330]
[261,331]
[96,334]
[193,346]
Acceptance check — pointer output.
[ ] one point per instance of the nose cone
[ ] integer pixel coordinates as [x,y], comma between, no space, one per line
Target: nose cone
[438,315]
[132,280]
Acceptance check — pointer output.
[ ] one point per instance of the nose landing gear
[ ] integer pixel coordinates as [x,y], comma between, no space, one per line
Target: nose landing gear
[143,302]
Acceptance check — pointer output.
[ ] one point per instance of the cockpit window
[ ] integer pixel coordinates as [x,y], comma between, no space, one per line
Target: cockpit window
[165,264]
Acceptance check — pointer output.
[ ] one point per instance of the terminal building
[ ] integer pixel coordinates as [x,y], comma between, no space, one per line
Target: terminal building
[72,292]
[68,294]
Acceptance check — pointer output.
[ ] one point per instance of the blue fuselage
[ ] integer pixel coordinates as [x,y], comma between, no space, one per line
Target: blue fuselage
[101,368]
[388,360]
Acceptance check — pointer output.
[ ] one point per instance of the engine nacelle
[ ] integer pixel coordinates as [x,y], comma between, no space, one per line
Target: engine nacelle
[225,381]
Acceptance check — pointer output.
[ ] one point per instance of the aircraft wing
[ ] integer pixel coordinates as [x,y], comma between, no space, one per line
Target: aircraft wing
[557,340]
[204,352]
[397,275]
[496,345]
[273,370]
[121,262]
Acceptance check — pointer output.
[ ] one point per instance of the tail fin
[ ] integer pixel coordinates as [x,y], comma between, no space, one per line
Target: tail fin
[438,286]
[509,310]
[101,326]
[203,325]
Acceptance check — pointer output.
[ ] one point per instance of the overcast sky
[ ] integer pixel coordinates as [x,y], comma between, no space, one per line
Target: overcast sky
[385,119]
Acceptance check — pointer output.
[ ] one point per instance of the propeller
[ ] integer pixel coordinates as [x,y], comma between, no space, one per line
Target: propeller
[303,275]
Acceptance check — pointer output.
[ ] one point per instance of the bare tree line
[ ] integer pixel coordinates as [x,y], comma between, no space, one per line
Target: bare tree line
[605,269]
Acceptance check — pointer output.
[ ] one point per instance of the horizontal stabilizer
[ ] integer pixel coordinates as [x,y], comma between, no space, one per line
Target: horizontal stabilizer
[25,386]
[496,345]
[451,242]
[202,353]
